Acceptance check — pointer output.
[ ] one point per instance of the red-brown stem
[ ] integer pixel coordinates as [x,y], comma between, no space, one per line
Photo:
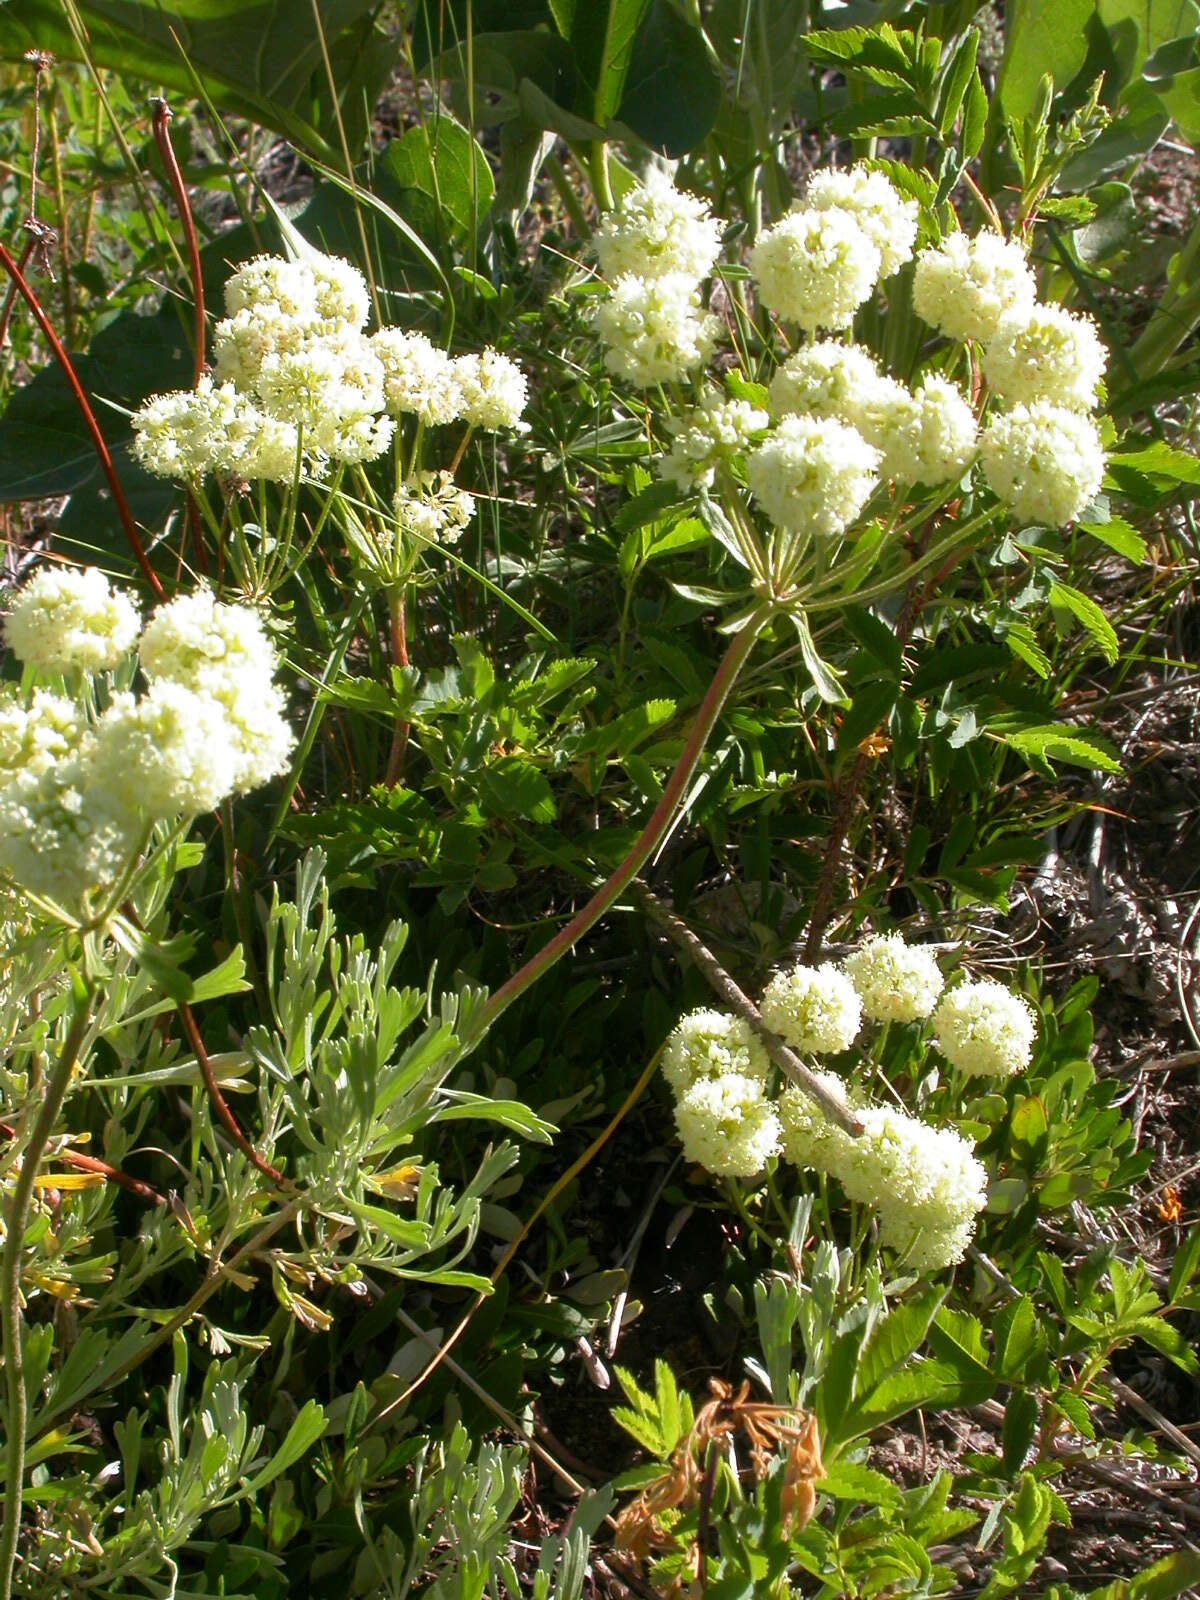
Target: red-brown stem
[398,631]
[89,417]
[651,835]
[11,293]
[162,134]
[82,1163]
[233,1127]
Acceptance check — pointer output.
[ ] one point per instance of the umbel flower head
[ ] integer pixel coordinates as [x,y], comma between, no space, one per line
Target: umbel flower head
[715,430]
[925,1183]
[79,795]
[814,1009]
[433,508]
[816,267]
[297,382]
[1045,462]
[813,474]
[727,1125]
[985,1029]
[826,379]
[656,231]
[655,328]
[896,982]
[888,218]
[712,1044]
[70,617]
[965,286]
[1045,352]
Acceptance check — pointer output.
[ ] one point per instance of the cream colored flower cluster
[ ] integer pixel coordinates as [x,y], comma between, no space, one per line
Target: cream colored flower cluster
[821,261]
[924,1182]
[926,435]
[80,790]
[1041,453]
[299,384]
[655,250]
[432,508]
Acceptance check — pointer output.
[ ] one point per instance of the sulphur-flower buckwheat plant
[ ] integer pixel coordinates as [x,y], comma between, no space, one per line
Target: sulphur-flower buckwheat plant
[657,231]
[1045,352]
[656,329]
[813,474]
[1045,462]
[888,218]
[816,267]
[985,1029]
[965,285]
[714,431]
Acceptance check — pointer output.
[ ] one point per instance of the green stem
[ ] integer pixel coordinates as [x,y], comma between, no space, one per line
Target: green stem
[10,1285]
[598,167]
[656,829]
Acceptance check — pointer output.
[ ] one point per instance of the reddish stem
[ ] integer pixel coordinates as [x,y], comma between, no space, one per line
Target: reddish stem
[162,134]
[89,417]
[651,835]
[399,639]
[82,1163]
[233,1127]
[11,295]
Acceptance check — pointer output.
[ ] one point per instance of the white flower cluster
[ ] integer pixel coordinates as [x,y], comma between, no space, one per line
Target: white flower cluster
[964,286]
[67,617]
[658,230]
[821,261]
[299,384]
[816,1010]
[985,1029]
[487,390]
[813,474]
[656,250]
[896,982]
[433,508]
[718,1068]
[78,795]
[1041,455]
[926,435]
[714,430]
[925,1183]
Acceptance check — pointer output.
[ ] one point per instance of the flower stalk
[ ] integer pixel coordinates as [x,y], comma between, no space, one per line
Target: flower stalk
[661,820]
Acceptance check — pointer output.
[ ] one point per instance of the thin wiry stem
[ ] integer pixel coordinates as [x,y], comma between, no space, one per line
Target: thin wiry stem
[10,1286]
[89,417]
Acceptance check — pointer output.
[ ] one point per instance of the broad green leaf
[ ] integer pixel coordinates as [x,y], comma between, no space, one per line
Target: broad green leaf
[896,1338]
[602,35]
[1077,747]
[672,92]
[849,1480]
[445,176]
[1118,535]
[1040,39]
